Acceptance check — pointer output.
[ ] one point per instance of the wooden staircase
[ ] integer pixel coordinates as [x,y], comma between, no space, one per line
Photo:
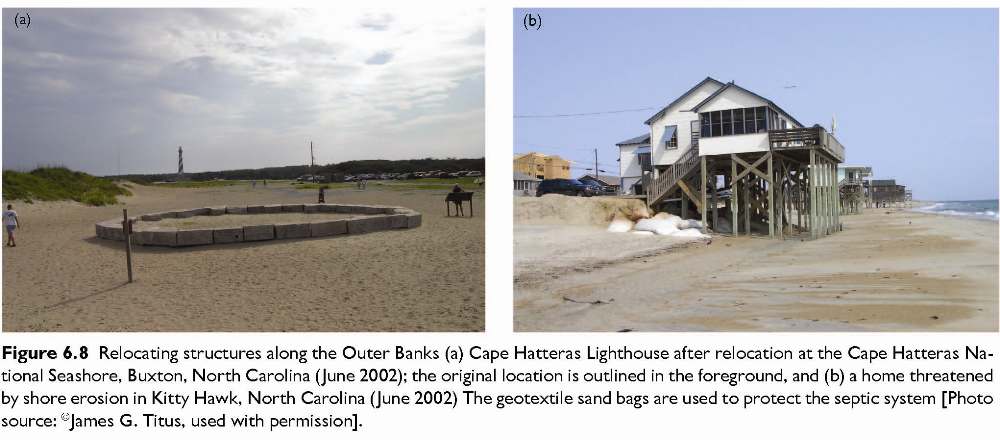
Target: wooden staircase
[661,186]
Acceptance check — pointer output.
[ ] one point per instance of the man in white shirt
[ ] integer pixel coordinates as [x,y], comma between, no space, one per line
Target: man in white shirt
[11,223]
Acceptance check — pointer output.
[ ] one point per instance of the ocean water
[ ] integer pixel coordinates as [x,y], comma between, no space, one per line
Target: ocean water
[982,209]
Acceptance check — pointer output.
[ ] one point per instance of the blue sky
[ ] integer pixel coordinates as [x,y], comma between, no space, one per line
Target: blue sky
[914,91]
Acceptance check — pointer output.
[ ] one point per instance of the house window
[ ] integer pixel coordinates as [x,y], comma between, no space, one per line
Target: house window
[670,137]
[727,122]
[761,119]
[734,122]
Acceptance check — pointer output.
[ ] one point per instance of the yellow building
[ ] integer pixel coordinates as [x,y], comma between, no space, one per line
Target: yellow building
[542,166]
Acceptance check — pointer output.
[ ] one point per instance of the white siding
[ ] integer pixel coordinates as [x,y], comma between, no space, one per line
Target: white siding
[740,143]
[629,165]
[679,116]
[732,98]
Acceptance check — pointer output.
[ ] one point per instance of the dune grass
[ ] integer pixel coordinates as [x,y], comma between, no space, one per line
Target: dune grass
[60,183]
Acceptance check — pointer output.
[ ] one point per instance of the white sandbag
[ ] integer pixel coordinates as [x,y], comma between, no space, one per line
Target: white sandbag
[642,232]
[658,226]
[669,218]
[688,233]
[620,224]
[689,224]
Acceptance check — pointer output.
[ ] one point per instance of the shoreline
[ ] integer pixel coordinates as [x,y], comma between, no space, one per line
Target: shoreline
[889,270]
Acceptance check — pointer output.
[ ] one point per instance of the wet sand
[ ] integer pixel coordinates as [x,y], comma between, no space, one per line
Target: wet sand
[61,277]
[895,271]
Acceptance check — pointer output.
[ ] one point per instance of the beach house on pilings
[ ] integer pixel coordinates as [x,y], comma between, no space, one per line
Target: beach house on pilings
[740,162]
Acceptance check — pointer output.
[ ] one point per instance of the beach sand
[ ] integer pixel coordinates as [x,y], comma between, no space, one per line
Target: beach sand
[889,270]
[61,277]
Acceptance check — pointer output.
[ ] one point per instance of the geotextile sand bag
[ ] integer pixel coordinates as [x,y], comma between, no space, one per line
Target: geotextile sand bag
[659,226]
[620,223]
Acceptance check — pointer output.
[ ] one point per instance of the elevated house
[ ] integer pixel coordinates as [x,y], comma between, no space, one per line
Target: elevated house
[633,162]
[885,193]
[722,138]
[854,185]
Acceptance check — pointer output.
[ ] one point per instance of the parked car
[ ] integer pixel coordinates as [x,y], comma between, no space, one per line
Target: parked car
[474,174]
[569,187]
[598,188]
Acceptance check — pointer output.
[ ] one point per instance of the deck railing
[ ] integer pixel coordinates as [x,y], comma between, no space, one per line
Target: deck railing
[810,137]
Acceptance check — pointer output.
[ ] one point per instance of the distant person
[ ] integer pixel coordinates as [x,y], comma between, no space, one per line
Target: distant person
[457,189]
[265,182]
[11,222]
[322,194]
[253,184]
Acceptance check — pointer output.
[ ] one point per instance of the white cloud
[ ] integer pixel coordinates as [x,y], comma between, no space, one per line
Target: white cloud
[339,76]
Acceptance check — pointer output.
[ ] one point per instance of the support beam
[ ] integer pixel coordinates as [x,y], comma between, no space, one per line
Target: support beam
[812,193]
[704,192]
[714,181]
[770,196]
[734,200]
[686,190]
[753,168]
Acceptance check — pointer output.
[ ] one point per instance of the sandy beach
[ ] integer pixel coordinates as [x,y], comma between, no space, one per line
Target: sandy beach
[61,277]
[889,270]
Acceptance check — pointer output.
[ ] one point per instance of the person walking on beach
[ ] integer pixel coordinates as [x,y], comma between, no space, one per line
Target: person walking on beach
[11,222]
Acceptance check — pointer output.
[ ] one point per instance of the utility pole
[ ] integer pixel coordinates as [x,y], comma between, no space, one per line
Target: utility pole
[312,157]
[597,171]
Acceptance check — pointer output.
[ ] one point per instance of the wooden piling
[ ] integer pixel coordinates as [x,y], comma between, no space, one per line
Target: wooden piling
[127,231]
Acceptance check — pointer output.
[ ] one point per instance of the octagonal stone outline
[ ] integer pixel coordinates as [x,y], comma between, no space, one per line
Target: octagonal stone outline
[366,219]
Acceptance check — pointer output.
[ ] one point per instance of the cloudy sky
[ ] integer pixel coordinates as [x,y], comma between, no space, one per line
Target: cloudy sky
[240,88]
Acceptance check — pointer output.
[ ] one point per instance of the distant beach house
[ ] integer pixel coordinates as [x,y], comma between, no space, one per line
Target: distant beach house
[634,161]
[718,137]
[542,166]
[524,184]
[611,184]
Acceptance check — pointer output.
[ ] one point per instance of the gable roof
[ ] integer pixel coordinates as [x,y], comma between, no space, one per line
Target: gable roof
[638,140]
[732,84]
[708,79]
[607,180]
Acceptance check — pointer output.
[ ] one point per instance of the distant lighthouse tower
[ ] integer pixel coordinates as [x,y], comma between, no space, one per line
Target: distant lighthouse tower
[180,163]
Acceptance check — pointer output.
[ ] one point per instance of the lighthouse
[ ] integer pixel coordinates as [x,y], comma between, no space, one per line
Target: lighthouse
[180,163]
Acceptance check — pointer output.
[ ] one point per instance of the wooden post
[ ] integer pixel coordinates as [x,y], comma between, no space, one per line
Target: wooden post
[684,205]
[812,193]
[770,195]
[837,207]
[127,232]
[715,201]
[746,204]
[704,192]
[734,200]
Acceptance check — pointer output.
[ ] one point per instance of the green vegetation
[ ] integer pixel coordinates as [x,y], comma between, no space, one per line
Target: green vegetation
[59,183]
[331,171]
